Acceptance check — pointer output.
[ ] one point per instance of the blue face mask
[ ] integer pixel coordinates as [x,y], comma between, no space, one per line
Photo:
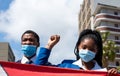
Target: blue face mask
[86,55]
[29,50]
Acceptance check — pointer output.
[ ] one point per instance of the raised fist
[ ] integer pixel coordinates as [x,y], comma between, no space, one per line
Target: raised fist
[54,39]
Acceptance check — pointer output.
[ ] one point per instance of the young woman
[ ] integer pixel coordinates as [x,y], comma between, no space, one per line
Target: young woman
[88,51]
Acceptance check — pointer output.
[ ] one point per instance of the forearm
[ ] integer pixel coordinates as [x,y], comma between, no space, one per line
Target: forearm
[42,57]
[49,46]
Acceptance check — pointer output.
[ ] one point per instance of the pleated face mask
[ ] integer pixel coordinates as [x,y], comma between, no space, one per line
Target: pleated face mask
[86,55]
[29,50]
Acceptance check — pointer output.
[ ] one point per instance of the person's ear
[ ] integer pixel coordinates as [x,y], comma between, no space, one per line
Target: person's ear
[38,44]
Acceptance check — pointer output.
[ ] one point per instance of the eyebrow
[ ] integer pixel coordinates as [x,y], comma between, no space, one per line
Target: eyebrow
[91,46]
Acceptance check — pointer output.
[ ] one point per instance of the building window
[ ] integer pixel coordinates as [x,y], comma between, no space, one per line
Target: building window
[117,63]
[118,55]
[116,25]
[117,51]
[115,13]
[116,38]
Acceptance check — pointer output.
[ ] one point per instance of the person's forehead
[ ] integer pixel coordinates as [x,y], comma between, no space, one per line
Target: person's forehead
[28,35]
[88,40]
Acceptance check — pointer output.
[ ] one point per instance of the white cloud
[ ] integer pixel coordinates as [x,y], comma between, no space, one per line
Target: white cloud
[46,17]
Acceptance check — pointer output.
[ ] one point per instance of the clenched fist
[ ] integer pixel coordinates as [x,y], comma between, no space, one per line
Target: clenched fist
[54,39]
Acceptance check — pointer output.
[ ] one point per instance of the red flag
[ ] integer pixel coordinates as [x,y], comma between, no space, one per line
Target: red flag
[16,69]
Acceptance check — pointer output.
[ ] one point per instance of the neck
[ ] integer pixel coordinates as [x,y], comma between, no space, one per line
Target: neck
[89,65]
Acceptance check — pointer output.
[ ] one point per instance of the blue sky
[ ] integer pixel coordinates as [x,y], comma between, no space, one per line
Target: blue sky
[45,17]
[4,4]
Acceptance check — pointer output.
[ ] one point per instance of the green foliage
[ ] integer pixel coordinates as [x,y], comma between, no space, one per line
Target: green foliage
[118,68]
[108,49]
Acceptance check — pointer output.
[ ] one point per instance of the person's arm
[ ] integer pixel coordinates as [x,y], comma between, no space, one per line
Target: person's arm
[42,57]
[52,41]
[44,53]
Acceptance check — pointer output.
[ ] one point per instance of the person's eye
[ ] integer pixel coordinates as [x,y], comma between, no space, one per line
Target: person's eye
[32,40]
[84,47]
[24,40]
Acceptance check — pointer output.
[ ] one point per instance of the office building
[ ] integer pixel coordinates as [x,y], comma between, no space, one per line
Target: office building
[6,53]
[102,15]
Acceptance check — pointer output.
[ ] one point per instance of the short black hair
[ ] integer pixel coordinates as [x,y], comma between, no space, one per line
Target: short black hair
[95,35]
[32,32]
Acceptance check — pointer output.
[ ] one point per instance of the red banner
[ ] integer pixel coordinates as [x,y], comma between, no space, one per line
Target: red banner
[15,69]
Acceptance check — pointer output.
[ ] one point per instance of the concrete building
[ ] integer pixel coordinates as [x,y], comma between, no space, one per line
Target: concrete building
[6,53]
[103,15]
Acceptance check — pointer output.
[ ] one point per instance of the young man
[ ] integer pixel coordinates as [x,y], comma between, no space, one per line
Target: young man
[30,43]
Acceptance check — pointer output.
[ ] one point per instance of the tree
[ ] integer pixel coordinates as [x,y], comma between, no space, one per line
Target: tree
[108,49]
